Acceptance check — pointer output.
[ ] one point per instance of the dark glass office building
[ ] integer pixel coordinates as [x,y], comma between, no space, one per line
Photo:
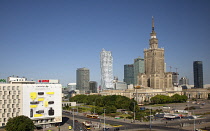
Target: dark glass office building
[129,74]
[198,74]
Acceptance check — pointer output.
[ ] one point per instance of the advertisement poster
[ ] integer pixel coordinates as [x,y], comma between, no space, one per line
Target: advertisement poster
[43,101]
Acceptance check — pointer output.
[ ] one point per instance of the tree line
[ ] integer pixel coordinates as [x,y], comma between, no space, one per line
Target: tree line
[162,99]
[111,103]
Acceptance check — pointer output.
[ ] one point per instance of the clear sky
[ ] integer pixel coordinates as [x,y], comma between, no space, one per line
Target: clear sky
[50,39]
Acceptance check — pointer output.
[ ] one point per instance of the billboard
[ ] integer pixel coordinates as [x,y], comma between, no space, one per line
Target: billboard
[49,81]
[43,101]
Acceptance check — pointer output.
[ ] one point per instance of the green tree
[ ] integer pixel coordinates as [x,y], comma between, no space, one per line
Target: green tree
[20,123]
[160,99]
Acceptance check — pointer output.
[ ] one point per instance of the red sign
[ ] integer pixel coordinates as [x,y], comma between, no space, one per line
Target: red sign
[43,81]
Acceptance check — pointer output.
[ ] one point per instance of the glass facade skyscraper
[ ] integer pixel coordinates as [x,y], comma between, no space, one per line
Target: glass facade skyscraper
[198,74]
[129,73]
[83,78]
[106,63]
[138,68]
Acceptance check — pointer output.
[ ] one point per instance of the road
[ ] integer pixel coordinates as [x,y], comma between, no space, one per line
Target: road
[127,125]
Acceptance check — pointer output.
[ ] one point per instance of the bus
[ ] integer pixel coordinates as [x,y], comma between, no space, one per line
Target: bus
[94,116]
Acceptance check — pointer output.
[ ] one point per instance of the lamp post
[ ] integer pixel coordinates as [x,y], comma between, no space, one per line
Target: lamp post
[134,112]
[194,121]
[73,119]
[77,108]
[150,126]
[94,108]
[104,120]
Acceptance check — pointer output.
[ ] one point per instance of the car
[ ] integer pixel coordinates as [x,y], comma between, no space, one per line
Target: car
[75,120]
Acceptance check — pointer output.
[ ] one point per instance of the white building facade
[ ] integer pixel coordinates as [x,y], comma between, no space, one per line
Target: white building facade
[40,102]
[106,63]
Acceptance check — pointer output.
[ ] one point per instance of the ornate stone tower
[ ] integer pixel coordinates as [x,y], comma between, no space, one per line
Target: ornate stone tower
[154,76]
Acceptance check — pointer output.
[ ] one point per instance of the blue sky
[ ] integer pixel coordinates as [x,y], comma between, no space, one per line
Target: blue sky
[50,39]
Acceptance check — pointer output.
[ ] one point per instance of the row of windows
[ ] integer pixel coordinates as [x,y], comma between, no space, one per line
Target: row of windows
[10,101]
[9,92]
[9,97]
[10,110]
[9,105]
[43,121]
[9,88]
[9,115]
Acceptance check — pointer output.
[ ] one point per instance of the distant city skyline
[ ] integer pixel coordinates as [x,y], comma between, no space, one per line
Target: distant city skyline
[51,39]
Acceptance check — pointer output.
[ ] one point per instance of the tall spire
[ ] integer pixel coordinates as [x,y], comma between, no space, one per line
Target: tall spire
[153,25]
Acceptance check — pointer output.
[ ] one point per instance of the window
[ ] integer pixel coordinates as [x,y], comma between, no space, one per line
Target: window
[13,88]
[17,105]
[7,105]
[17,97]
[4,87]
[0,110]
[3,115]
[18,88]
[8,88]
[9,110]
[5,101]
[7,114]
[0,92]
[13,97]
[0,101]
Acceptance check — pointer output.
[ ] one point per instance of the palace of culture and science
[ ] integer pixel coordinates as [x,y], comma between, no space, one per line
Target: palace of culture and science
[155,75]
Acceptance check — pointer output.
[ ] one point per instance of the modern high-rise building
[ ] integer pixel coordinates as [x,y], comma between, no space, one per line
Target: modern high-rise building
[198,74]
[106,63]
[129,74]
[154,75]
[83,78]
[138,68]
[93,86]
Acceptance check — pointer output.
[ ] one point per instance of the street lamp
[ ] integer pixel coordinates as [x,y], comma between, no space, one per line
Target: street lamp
[194,121]
[134,112]
[150,126]
[104,120]
[94,108]
[73,119]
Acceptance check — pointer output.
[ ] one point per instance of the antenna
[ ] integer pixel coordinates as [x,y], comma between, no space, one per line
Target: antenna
[176,69]
[170,68]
